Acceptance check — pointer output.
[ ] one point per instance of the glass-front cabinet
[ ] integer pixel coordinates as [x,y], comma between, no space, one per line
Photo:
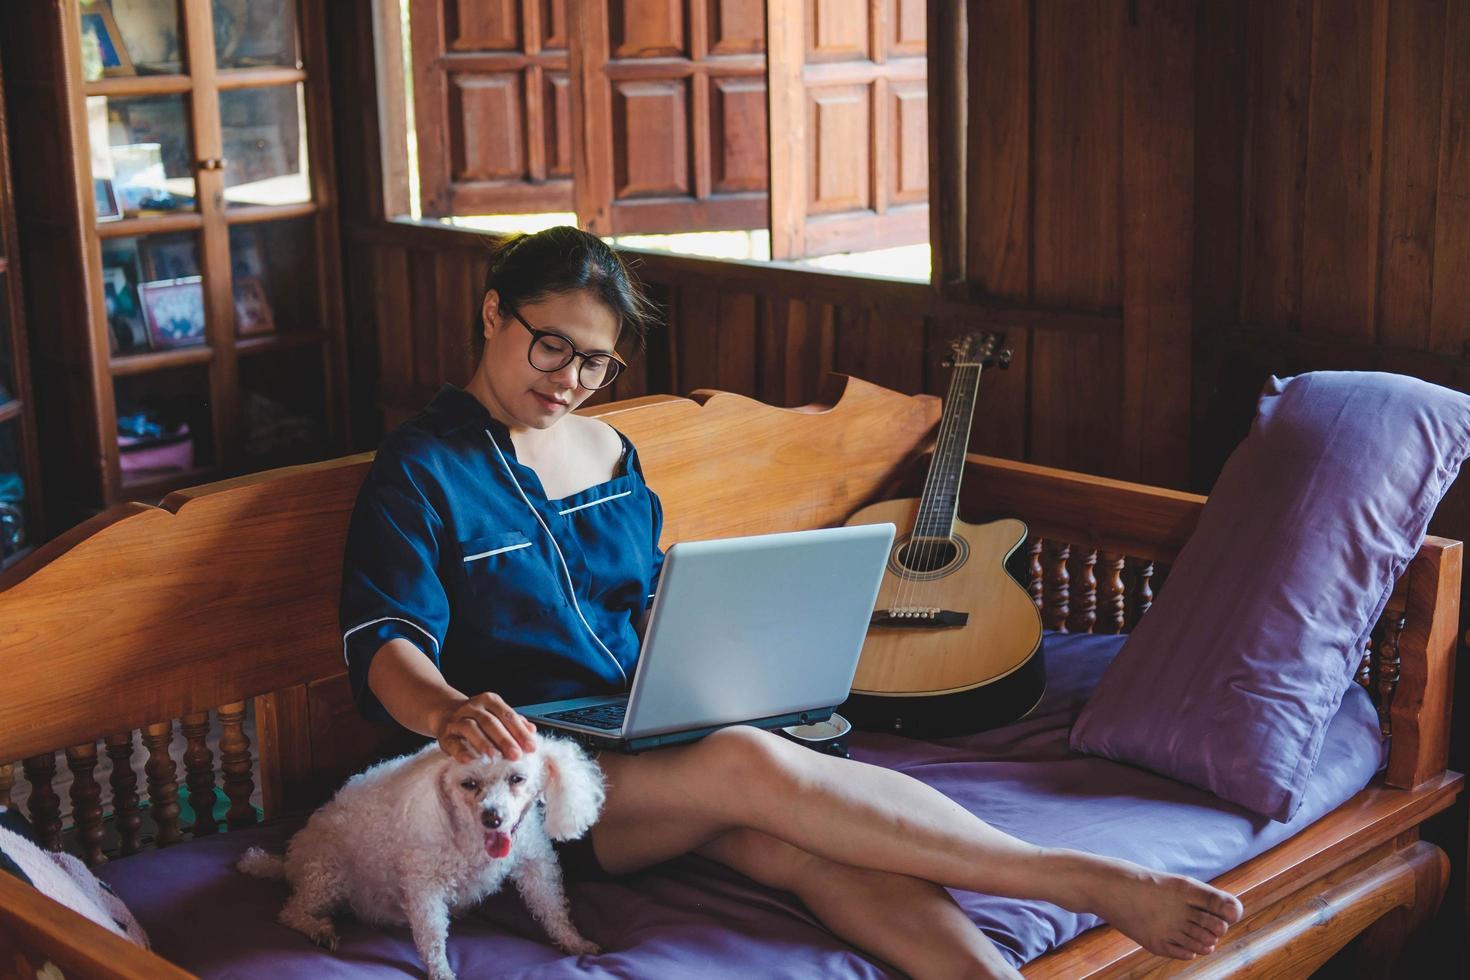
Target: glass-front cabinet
[207,233]
[20,499]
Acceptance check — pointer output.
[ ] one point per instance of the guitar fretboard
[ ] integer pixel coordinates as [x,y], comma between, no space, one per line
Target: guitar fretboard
[939,503]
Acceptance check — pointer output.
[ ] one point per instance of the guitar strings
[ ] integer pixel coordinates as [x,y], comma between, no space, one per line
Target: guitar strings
[908,582]
[921,548]
[946,443]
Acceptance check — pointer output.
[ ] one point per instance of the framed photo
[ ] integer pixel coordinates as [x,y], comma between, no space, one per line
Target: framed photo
[252,307]
[102,41]
[105,195]
[173,310]
[246,257]
[138,175]
[170,257]
[126,332]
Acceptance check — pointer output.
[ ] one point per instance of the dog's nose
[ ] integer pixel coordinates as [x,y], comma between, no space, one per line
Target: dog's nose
[491,819]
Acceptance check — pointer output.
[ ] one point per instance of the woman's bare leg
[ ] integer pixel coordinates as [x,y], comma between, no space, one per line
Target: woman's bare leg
[912,924]
[672,801]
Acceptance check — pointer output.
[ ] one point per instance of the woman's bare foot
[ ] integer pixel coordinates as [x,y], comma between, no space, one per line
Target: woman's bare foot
[1166,914]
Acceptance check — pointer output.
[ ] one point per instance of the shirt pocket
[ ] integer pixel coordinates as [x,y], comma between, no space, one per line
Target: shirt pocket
[508,580]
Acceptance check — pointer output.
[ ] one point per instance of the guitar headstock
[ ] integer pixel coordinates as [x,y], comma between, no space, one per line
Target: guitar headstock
[979,350]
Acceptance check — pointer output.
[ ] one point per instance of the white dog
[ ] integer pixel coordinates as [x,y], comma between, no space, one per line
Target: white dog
[418,839]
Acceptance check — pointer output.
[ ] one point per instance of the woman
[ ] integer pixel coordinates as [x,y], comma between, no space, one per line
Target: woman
[503,551]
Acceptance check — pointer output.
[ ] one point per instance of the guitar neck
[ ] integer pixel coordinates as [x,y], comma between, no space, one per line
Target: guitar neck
[940,501]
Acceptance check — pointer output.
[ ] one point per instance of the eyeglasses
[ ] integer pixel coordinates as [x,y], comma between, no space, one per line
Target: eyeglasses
[550,352]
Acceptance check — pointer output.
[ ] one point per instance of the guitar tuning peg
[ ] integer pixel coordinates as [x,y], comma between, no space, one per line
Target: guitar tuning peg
[948,361]
[1004,358]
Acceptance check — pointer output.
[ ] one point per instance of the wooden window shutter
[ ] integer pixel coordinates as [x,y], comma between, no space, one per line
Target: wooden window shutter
[849,99]
[672,113]
[492,104]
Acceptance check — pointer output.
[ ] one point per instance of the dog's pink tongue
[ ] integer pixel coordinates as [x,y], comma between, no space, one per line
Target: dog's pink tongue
[497,845]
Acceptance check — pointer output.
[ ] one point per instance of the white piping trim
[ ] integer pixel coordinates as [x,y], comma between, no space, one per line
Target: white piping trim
[565,571]
[496,551]
[594,503]
[384,619]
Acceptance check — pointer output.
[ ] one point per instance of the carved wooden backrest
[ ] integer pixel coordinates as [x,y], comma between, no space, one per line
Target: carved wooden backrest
[229,591]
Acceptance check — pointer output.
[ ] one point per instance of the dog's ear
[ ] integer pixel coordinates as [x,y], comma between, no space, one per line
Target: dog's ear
[573,789]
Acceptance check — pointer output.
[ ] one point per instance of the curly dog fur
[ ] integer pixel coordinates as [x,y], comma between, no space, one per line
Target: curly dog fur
[421,838]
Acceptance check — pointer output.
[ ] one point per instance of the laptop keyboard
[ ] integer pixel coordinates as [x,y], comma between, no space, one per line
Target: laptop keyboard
[608,717]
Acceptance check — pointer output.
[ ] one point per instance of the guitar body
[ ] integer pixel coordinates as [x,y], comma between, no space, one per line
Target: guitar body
[949,680]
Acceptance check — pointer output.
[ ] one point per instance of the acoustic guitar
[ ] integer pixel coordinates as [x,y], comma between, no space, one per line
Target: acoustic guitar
[954,645]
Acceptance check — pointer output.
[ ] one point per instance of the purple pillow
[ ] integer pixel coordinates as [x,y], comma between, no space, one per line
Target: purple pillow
[1230,680]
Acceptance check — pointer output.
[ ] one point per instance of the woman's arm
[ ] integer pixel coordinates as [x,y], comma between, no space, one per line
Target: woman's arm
[417,696]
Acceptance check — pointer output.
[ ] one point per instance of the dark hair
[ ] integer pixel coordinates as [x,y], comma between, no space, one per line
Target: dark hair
[525,268]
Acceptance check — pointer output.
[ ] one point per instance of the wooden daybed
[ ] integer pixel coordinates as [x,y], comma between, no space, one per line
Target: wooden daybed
[228,592]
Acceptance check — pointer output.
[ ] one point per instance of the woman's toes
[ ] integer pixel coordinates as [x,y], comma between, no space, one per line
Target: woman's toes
[1225,905]
[1200,937]
[1215,925]
[1178,951]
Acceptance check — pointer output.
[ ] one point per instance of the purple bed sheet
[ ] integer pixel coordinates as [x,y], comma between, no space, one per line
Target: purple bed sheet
[691,917]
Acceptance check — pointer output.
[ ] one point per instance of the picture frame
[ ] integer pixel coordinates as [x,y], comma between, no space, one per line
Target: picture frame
[170,257]
[103,41]
[126,331]
[138,175]
[253,315]
[247,258]
[107,206]
[173,310]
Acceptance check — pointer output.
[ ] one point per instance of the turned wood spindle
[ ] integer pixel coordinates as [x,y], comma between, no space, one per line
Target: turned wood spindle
[1033,571]
[1388,674]
[7,782]
[124,782]
[1364,676]
[163,786]
[45,804]
[1058,585]
[234,750]
[199,771]
[1111,605]
[1143,591]
[86,801]
[1084,594]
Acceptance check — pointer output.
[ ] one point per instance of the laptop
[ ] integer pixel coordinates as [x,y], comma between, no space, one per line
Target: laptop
[763,630]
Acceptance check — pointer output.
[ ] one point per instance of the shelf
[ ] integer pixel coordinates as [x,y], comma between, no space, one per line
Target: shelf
[285,340]
[249,214]
[159,359]
[141,85]
[264,77]
[10,409]
[159,225]
[161,486]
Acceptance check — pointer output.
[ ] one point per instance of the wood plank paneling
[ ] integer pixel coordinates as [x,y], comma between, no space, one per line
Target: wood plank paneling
[884,347]
[1344,164]
[1075,169]
[1449,322]
[1158,234]
[1280,44]
[998,151]
[1415,82]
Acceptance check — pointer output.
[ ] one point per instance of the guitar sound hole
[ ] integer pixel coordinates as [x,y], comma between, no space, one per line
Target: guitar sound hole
[927,556]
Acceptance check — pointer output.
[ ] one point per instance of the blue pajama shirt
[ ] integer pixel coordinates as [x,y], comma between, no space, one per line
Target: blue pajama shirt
[454,546]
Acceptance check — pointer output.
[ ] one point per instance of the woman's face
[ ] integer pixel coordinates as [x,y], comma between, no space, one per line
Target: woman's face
[526,396]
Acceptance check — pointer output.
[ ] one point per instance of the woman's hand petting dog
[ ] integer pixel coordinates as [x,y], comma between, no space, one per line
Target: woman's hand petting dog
[418,839]
[483,725]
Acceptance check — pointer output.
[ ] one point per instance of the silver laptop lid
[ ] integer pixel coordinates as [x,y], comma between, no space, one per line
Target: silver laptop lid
[755,627]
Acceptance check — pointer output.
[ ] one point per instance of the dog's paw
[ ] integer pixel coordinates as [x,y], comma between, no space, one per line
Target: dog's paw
[327,939]
[578,946]
[441,972]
